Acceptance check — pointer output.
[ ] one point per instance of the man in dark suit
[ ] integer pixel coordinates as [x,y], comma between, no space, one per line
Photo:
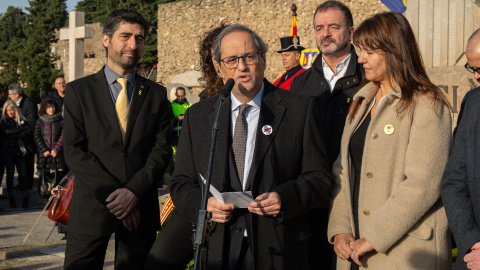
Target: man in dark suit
[268,144]
[117,144]
[460,185]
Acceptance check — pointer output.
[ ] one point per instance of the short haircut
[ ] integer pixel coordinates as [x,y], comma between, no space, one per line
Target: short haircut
[347,14]
[55,81]
[12,85]
[16,88]
[217,53]
[47,103]
[180,88]
[123,15]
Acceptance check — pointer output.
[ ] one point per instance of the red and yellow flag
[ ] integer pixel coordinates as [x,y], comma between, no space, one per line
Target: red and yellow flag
[293,30]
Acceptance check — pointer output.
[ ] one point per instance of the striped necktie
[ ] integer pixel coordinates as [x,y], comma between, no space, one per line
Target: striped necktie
[122,106]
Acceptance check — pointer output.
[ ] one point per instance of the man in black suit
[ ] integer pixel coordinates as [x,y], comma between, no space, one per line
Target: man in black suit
[268,144]
[117,144]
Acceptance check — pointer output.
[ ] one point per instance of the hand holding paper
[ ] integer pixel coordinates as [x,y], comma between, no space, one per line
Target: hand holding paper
[238,199]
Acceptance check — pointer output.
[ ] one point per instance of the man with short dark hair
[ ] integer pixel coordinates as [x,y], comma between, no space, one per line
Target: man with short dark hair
[267,143]
[58,94]
[179,106]
[29,110]
[117,144]
[291,53]
[332,81]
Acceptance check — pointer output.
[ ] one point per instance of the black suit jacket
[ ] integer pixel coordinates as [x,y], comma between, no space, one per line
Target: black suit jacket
[292,161]
[102,163]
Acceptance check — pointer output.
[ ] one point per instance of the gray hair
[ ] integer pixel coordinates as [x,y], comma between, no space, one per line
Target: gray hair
[217,53]
[16,88]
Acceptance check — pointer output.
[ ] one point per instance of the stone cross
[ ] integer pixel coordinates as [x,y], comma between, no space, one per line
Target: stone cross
[75,34]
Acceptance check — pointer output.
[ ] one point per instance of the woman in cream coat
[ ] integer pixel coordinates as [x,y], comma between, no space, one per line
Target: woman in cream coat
[386,210]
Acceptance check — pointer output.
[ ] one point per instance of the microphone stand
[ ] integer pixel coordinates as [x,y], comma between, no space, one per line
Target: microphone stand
[203,215]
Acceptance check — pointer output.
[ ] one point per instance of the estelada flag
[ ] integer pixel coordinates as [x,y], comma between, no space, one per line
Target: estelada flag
[396,5]
[293,30]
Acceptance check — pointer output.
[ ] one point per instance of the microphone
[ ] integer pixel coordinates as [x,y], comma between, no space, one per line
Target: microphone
[227,88]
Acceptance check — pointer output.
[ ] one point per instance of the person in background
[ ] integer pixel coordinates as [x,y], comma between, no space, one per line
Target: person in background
[179,106]
[386,209]
[2,164]
[210,81]
[291,52]
[14,128]
[29,110]
[58,95]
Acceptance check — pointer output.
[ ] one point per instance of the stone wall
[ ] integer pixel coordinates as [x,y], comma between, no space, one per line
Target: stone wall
[182,24]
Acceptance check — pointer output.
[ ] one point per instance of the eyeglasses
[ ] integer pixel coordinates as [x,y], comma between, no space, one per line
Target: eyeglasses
[472,69]
[231,62]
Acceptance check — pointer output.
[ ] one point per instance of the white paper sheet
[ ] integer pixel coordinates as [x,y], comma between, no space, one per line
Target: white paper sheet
[238,199]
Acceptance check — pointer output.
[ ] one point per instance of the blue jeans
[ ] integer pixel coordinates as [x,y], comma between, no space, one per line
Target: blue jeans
[10,163]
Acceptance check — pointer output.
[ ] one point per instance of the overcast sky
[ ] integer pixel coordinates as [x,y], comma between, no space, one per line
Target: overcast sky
[24,3]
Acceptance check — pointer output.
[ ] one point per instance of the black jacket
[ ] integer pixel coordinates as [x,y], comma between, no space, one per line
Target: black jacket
[333,105]
[11,132]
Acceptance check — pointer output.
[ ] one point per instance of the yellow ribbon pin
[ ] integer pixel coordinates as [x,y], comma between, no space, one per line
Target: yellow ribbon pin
[140,92]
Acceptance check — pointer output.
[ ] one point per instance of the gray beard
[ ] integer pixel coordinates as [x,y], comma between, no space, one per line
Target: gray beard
[334,50]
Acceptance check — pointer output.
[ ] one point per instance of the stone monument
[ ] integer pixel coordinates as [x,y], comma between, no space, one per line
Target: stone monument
[75,34]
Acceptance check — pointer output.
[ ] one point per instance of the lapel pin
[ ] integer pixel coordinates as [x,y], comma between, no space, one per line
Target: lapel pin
[389,129]
[140,92]
[267,130]
[348,100]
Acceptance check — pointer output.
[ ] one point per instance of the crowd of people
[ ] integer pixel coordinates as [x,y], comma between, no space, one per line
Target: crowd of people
[23,134]
[348,168]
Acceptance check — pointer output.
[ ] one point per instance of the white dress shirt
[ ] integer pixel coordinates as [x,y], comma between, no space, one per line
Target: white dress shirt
[340,70]
[252,115]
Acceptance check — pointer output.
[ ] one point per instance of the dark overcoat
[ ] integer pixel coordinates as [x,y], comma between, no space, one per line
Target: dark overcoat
[291,161]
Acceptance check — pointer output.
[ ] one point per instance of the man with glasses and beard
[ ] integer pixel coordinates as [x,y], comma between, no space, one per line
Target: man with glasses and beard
[332,80]
[117,144]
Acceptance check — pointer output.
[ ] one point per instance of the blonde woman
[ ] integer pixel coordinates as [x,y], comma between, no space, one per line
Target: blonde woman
[386,210]
[13,127]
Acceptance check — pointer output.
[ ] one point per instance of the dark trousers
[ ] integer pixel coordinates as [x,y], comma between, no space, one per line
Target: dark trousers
[173,248]
[30,169]
[11,162]
[88,251]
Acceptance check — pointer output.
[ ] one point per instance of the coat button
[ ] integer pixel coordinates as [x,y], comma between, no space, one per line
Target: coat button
[366,212]
[125,154]
[238,229]
[369,174]
[374,135]
[390,101]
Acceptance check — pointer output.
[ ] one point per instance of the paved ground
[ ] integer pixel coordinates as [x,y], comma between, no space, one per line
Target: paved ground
[41,250]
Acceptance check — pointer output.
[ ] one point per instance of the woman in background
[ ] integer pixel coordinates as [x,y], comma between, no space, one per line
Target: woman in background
[386,210]
[14,129]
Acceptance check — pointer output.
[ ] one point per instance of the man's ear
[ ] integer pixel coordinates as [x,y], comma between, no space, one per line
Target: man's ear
[105,40]
[298,56]
[217,69]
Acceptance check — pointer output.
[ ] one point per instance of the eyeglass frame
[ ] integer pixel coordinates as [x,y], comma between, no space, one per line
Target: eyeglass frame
[471,69]
[238,60]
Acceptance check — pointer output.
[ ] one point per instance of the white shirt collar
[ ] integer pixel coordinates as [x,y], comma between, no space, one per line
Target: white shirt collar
[255,102]
[340,66]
